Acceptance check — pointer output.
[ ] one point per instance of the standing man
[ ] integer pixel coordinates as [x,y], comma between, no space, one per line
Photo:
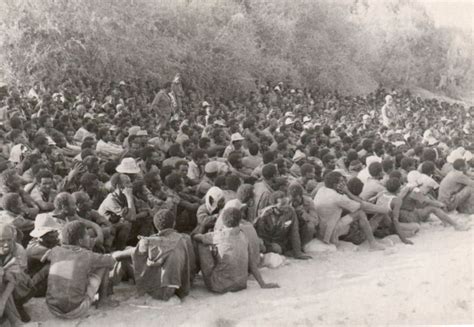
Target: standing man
[388,111]
[162,105]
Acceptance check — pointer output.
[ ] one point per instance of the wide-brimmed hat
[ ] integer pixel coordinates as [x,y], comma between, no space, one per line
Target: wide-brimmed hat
[236,137]
[128,166]
[44,224]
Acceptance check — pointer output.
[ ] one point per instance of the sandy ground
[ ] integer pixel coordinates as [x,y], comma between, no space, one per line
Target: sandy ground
[430,282]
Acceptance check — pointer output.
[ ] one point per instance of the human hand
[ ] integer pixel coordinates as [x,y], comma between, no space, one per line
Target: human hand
[270,285]
[407,241]
[303,257]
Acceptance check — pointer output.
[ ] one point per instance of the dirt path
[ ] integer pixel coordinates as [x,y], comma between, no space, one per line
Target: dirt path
[430,282]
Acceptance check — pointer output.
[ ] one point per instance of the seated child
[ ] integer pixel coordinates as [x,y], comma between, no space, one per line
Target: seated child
[76,274]
[224,257]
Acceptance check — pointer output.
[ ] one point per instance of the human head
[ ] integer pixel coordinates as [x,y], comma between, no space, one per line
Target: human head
[75,233]
[376,170]
[200,157]
[393,185]
[164,219]
[120,181]
[7,238]
[232,182]
[231,217]
[64,205]
[355,186]
[460,165]
[334,180]
[428,168]
[83,201]
[45,180]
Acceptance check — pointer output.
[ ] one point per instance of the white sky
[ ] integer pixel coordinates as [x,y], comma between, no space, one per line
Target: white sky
[453,13]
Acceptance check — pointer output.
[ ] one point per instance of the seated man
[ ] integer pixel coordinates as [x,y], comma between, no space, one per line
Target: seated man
[84,210]
[331,201]
[13,213]
[14,282]
[76,274]
[224,257]
[374,185]
[456,190]
[278,227]
[305,212]
[208,212]
[43,193]
[164,264]
[45,236]
[119,208]
[392,199]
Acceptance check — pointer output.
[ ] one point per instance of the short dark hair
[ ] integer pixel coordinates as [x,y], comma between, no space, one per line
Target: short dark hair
[164,219]
[173,179]
[406,163]
[393,184]
[375,169]
[245,193]
[269,171]
[253,148]
[231,217]
[332,179]
[355,186]
[459,164]
[73,232]
[428,167]
[232,182]
[306,168]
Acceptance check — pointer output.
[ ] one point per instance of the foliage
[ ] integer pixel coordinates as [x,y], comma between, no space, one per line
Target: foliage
[224,46]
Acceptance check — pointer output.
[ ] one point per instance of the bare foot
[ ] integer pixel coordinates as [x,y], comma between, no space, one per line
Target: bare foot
[462,228]
[107,303]
[376,246]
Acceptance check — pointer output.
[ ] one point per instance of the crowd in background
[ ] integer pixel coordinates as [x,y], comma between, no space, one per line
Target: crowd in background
[102,183]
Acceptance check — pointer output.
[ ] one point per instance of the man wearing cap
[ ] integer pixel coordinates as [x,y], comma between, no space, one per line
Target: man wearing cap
[236,144]
[45,236]
[211,170]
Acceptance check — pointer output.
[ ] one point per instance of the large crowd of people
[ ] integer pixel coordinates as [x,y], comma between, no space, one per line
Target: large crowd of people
[102,183]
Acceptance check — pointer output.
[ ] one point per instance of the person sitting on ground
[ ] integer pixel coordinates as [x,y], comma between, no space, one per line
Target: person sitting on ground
[305,212]
[119,208]
[373,186]
[331,202]
[77,274]
[45,236]
[164,264]
[392,198]
[43,193]
[457,189]
[13,213]
[15,284]
[208,212]
[278,227]
[224,257]
[418,205]
[263,190]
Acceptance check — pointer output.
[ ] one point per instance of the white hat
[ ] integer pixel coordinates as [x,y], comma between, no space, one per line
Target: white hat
[306,119]
[372,159]
[142,132]
[236,137]
[289,121]
[365,117]
[89,115]
[299,155]
[122,83]
[211,167]
[205,104]
[128,166]
[289,114]
[456,154]
[133,130]
[220,122]
[44,223]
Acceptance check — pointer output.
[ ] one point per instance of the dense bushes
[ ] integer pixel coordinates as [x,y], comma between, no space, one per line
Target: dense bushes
[224,46]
